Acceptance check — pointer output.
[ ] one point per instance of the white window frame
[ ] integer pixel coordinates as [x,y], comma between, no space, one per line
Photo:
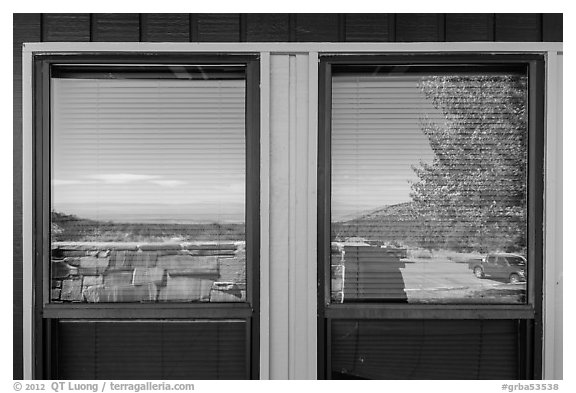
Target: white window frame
[288,197]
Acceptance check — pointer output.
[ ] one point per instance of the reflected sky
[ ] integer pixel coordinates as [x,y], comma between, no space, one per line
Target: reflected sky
[376,139]
[149,150]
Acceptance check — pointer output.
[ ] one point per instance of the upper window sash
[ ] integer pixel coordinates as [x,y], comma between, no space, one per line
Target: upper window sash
[228,70]
[356,67]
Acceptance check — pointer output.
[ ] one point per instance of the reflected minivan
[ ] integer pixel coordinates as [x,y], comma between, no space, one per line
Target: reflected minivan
[503,266]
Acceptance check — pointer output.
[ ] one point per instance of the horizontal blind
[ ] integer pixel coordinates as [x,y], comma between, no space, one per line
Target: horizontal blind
[148,190]
[172,350]
[425,349]
[429,169]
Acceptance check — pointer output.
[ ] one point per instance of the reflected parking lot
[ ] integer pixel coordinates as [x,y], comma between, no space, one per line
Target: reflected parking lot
[450,281]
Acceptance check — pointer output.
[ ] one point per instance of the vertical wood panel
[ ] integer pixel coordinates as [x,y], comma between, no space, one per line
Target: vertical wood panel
[267,28]
[294,123]
[311,223]
[303,236]
[554,283]
[165,27]
[279,214]
[292,230]
[469,27]
[265,217]
[518,27]
[552,27]
[26,28]
[218,27]
[419,27]
[367,28]
[316,27]
[115,27]
[66,27]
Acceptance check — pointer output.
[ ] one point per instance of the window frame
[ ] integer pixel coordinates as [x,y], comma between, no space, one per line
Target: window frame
[525,313]
[46,314]
[276,363]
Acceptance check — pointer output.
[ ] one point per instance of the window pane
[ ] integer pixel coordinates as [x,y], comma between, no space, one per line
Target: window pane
[428,186]
[151,350]
[148,190]
[426,349]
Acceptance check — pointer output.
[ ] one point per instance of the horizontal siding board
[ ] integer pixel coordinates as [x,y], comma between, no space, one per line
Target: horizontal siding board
[116,27]
[165,27]
[518,27]
[316,27]
[367,27]
[418,27]
[218,27]
[26,28]
[267,28]
[552,25]
[469,27]
[66,27]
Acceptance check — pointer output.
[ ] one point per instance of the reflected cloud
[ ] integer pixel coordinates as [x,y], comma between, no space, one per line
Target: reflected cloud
[121,178]
[67,182]
[168,183]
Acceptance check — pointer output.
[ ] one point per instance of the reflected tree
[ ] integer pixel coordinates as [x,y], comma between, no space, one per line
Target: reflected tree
[472,196]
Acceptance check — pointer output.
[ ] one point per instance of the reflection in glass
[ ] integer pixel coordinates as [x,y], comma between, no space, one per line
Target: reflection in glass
[425,349]
[148,190]
[428,182]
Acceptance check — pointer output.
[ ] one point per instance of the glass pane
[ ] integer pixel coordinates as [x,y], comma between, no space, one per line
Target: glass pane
[425,349]
[148,190]
[429,187]
[151,350]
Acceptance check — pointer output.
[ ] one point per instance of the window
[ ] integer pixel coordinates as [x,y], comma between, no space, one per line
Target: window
[150,172]
[430,171]
[148,186]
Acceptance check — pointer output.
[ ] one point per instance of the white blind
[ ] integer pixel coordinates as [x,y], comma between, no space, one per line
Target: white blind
[432,167]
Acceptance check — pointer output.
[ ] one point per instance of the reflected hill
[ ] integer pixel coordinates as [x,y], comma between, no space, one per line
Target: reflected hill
[68,227]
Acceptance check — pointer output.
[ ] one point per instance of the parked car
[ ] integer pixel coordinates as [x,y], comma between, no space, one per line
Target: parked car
[510,267]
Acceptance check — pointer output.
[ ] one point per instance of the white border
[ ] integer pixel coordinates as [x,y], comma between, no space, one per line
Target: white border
[27,206]
[552,317]
[292,48]
[264,219]
[553,279]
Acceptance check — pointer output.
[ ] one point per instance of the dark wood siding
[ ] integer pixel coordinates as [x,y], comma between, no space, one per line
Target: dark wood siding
[552,27]
[518,27]
[250,27]
[268,27]
[368,27]
[302,27]
[66,27]
[165,27]
[317,27]
[217,27]
[419,27]
[115,27]
[469,27]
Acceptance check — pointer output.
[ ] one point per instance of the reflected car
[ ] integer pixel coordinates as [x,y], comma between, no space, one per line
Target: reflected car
[502,266]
